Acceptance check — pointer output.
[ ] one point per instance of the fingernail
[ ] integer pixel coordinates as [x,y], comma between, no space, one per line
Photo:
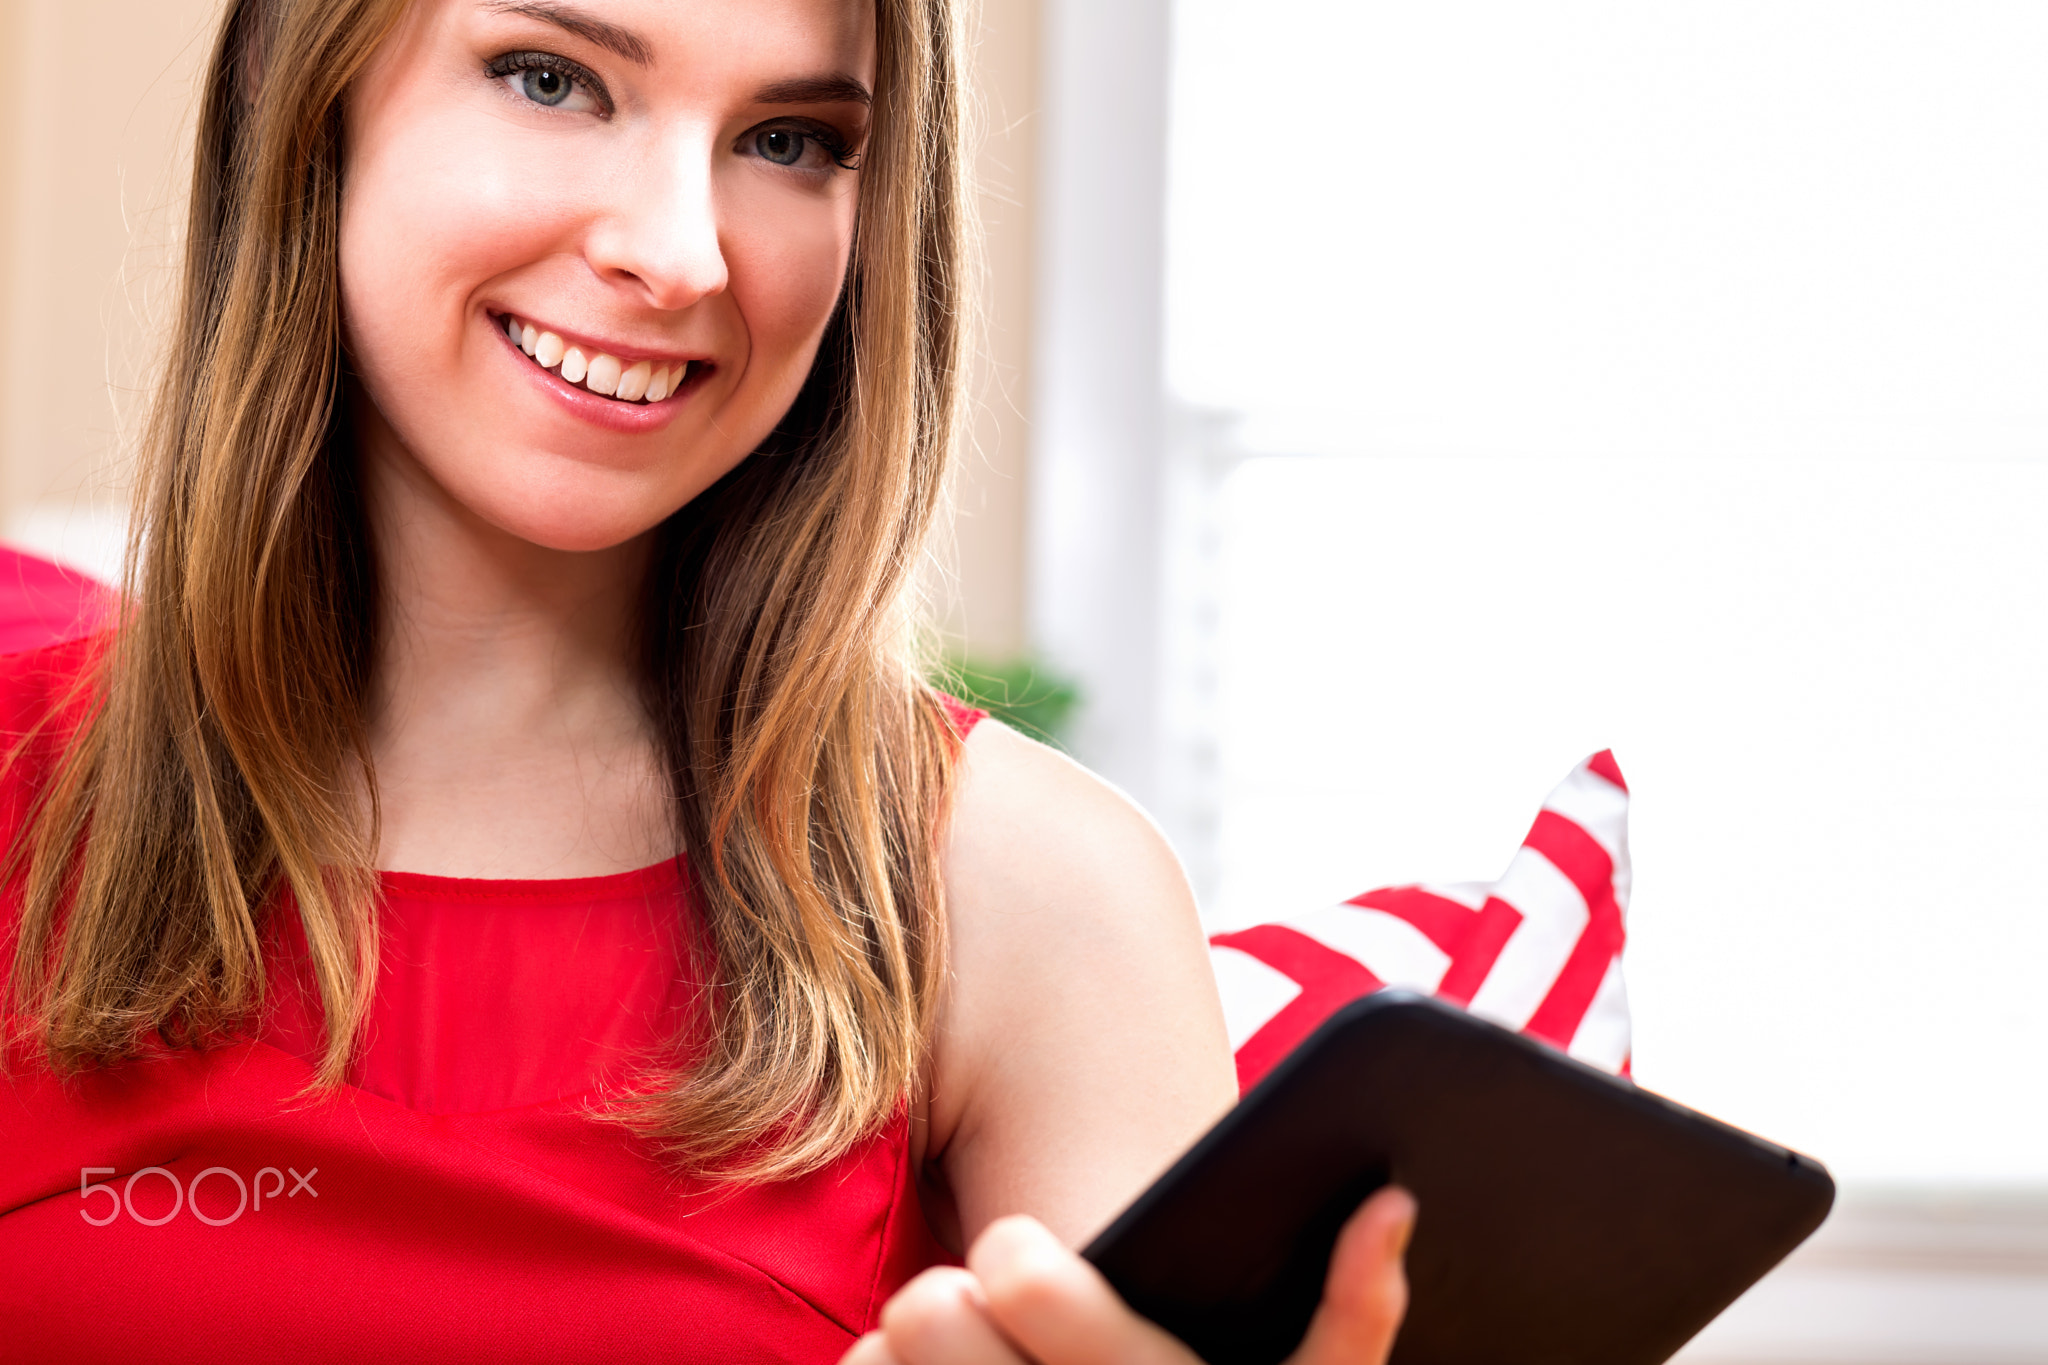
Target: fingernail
[1009,1244]
[1405,1229]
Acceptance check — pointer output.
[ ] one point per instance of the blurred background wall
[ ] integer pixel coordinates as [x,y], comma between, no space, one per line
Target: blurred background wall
[93,142]
[984,597]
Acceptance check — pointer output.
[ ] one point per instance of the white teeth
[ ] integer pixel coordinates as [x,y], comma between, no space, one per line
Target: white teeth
[641,381]
[604,375]
[633,383]
[668,380]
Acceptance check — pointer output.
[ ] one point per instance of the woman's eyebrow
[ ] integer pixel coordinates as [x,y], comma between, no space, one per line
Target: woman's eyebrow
[833,89]
[613,39]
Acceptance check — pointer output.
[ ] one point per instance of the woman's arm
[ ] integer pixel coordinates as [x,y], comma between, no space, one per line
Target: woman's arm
[1080,1049]
[1081,1045]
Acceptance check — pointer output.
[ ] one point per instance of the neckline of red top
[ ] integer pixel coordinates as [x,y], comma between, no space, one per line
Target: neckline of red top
[666,875]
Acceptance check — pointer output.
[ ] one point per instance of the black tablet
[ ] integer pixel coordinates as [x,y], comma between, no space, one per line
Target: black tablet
[1567,1217]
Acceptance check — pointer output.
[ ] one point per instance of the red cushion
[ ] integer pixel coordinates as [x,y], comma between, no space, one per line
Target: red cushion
[1539,950]
[42,603]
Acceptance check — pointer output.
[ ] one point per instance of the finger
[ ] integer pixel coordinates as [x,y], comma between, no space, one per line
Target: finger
[869,1350]
[1367,1289]
[939,1317]
[1056,1306]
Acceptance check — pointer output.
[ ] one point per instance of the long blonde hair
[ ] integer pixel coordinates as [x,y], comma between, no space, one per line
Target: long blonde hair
[224,748]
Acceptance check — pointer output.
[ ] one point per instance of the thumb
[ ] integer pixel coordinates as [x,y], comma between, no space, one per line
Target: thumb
[1367,1290]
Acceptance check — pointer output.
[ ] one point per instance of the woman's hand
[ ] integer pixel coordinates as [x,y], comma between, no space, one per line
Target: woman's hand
[1025,1299]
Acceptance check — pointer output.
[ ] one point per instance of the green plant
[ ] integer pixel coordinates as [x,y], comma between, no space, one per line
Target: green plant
[1021,693]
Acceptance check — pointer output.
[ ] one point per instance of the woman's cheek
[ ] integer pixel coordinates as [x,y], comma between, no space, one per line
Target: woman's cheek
[787,262]
[423,217]
[424,227]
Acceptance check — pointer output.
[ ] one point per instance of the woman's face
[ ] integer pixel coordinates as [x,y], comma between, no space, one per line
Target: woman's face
[651,193]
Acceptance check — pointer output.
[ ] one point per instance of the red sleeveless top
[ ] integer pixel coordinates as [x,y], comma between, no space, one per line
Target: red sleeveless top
[457,1200]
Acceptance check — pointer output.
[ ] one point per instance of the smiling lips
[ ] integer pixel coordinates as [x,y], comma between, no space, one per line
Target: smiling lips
[639,381]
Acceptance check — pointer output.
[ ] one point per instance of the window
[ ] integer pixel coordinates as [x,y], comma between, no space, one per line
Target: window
[1668,378]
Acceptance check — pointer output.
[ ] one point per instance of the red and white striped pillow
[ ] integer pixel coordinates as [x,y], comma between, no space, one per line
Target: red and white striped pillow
[1539,950]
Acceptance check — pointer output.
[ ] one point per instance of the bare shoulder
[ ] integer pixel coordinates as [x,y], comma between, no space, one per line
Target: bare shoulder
[1029,820]
[1081,1045]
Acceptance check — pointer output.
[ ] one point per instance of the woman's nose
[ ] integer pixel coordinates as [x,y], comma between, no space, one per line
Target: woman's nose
[661,238]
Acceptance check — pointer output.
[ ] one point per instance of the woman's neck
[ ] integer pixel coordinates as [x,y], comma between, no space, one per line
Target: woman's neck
[506,723]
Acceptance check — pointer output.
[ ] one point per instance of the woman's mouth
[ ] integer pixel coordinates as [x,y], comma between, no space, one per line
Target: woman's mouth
[624,381]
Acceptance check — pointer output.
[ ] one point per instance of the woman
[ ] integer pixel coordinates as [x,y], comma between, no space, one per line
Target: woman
[509,816]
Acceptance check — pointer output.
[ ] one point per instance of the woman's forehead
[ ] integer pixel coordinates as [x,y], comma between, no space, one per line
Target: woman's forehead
[655,32]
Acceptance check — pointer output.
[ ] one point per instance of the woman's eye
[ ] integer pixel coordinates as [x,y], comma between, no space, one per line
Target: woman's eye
[550,82]
[808,149]
[783,146]
[546,87]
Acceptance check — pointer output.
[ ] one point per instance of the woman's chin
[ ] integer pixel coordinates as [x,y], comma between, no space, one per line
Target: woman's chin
[577,516]
[566,504]
[585,529]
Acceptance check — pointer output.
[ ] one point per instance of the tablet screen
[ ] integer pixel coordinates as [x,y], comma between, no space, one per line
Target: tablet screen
[1566,1216]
